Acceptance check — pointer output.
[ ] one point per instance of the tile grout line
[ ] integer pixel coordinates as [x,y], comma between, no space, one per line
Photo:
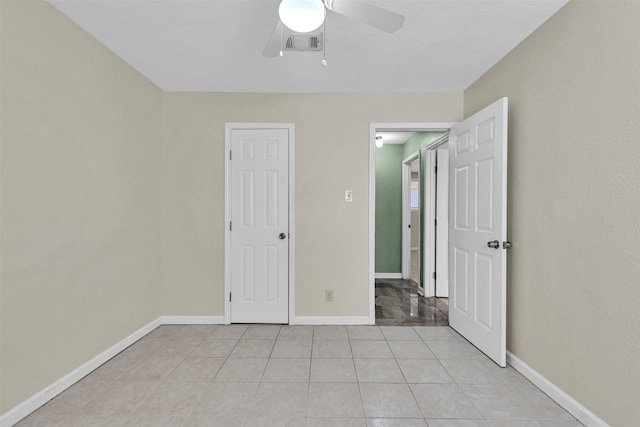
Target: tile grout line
[353,361]
[210,381]
[145,353]
[306,412]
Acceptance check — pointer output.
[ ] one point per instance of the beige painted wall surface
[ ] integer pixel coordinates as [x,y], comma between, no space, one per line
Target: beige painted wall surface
[331,155]
[80,134]
[415,228]
[574,202]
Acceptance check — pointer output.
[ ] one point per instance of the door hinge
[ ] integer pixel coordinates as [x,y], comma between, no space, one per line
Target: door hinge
[435,222]
[434,275]
[230,225]
[229,155]
[229,296]
[435,169]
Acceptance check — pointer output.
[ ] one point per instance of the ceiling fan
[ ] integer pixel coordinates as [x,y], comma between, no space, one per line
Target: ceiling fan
[303,16]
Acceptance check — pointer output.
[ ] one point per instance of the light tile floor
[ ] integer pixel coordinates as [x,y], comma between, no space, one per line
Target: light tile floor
[266,375]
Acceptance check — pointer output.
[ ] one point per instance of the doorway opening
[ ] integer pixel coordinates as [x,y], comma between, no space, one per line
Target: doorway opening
[399,254]
[411,250]
[476,233]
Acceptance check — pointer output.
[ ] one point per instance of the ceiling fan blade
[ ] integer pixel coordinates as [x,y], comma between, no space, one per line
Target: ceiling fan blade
[369,14]
[273,46]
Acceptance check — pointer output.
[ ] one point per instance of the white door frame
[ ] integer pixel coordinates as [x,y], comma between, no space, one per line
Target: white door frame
[228,127]
[381,127]
[430,198]
[406,215]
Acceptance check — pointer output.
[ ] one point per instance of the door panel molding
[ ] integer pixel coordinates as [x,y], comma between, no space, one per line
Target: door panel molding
[478,221]
[229,128]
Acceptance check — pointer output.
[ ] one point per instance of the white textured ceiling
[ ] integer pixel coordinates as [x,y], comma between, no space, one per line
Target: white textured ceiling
[216,45]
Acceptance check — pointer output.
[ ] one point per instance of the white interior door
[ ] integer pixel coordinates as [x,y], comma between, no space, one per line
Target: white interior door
[478,229]
[259,226]
[406,214]
[442,225]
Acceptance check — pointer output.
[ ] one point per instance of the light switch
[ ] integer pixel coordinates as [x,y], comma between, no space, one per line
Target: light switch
[348,195]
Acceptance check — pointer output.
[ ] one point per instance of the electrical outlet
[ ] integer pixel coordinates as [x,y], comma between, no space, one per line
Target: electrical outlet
[328,295]
[348,195]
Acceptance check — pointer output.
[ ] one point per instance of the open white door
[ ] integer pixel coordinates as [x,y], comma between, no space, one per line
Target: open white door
[478,229]
[442,225]
[407,225]
[259,228]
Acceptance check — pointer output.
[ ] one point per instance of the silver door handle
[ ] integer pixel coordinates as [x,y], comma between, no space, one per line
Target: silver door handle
[493,244]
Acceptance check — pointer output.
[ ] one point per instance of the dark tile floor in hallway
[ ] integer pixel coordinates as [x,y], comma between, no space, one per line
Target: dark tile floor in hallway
[398,303]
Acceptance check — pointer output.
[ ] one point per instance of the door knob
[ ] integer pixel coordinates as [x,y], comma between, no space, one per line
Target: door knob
[506,244]
[493,244]
[282,236]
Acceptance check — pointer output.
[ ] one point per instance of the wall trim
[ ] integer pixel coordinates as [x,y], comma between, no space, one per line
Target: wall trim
[331,320]
[34,402]
[583,415]
[192,320]
[388,275]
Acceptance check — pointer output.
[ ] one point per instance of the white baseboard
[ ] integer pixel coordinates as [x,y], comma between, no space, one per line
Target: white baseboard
[28,406]
[331,320]
[583,415]
[192,320]
[37,400]
[388,276]
[23,409]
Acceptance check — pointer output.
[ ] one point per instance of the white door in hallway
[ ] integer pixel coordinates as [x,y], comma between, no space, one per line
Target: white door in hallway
[478,229]
[259,228]
[442,226]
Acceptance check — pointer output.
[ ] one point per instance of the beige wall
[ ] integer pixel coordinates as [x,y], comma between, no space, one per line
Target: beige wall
[90,148]
[415,228]
[331,155]
[80,159]
[574,202]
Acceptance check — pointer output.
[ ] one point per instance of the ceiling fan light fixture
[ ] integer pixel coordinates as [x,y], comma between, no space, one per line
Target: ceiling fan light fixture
[302,16]
[379,141]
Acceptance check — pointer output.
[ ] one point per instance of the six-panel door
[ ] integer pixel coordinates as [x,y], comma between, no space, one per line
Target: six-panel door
[477,216]
[259,226]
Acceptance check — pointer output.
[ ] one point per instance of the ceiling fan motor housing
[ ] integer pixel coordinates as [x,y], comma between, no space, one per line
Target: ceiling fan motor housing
[304,42]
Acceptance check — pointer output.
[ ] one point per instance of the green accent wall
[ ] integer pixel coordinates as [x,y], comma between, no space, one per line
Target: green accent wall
[389,208]
[418,142]
[389,199]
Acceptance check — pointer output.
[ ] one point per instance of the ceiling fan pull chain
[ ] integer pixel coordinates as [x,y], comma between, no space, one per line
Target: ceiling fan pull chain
[324,44]
[281,51]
